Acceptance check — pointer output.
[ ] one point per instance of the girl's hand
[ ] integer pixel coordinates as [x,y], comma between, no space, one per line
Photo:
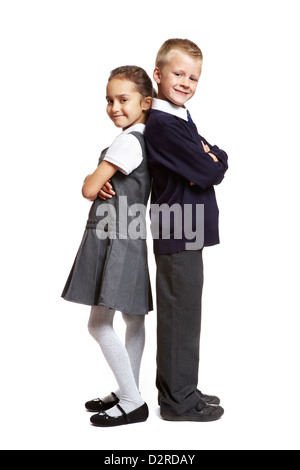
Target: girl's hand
[106,192]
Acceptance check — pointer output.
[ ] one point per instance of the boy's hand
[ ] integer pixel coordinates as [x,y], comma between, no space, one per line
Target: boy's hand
[106,192]
[207,150]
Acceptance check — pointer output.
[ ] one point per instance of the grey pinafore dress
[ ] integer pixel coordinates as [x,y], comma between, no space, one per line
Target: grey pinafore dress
[113,271]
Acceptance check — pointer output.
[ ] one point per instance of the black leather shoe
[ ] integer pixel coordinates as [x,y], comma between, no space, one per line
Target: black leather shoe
[98,405]
[209,399]
[137,416]
[202,413]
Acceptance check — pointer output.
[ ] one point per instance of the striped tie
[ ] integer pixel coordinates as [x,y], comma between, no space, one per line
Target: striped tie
[189,116]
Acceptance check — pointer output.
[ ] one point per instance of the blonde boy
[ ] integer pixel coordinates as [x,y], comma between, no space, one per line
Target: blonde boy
[185,168]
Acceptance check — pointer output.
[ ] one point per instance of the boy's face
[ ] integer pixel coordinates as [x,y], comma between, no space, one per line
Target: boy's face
[178,79]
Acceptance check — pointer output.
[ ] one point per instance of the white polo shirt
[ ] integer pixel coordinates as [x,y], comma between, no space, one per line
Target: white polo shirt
[126,151]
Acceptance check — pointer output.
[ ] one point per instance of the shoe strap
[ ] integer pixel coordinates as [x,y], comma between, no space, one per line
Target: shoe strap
[201,405]
[123,412]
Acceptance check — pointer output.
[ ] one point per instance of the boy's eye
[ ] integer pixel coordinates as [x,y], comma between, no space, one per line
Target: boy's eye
[123,100]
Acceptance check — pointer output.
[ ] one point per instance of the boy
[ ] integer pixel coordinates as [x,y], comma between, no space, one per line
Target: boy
[184,167]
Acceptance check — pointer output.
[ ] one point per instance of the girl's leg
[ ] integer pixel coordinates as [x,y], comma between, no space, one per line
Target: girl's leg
[101,328]
[135,342]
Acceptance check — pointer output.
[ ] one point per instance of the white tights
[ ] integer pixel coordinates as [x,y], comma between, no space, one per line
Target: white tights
[124,361]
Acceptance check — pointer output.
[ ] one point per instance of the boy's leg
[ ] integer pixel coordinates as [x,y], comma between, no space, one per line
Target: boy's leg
[179,294]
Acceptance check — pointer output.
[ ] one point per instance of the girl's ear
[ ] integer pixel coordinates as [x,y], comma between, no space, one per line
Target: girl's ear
[157,75]
[147,103]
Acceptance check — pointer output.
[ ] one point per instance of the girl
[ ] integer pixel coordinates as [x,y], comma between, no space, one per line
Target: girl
[110,271]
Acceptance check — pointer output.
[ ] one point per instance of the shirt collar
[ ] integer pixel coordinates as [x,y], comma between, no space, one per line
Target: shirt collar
[167,107]
[137,128]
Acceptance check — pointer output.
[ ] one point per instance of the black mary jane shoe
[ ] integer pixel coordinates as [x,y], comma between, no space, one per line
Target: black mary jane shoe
[97,405]
[137,416]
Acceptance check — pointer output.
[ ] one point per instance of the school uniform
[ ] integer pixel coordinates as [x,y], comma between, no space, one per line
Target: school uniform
[111,267]
[176,157]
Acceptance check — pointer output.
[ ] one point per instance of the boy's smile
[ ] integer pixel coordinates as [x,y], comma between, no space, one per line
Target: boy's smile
[178,79]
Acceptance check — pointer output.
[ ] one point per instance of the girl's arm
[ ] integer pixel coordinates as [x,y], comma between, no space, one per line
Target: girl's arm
[93,183]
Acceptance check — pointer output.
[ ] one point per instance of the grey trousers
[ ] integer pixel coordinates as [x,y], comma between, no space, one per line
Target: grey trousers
[179,293]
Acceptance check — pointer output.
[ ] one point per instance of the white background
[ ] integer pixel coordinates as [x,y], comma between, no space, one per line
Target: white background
[55,60]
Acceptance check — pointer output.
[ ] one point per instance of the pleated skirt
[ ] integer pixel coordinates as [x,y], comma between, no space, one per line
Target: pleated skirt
[111,272]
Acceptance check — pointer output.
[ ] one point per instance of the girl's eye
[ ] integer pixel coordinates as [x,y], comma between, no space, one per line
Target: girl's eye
[123,100]
[177,74]
[193,79]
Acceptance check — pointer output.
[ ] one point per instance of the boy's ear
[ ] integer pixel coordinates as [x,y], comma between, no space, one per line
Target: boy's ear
[157,75]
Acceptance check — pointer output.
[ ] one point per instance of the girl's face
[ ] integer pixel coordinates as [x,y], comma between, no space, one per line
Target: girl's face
[125,105]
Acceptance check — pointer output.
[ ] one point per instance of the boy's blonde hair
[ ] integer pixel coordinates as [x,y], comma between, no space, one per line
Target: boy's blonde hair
[183,45]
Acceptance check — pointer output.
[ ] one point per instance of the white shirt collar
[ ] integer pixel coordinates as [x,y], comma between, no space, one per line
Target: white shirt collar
[167,107]
[137,128]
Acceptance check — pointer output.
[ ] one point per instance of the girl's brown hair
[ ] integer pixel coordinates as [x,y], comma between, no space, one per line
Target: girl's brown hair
[138,76]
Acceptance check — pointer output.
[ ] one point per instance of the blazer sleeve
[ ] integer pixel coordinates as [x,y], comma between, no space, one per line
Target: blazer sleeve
[173,145]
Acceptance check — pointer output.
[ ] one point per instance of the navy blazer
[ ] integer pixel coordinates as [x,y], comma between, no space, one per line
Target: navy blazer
[176,158]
